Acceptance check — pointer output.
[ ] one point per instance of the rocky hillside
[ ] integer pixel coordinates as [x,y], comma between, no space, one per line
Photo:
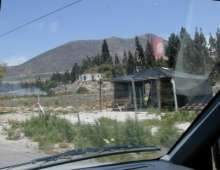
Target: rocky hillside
[63,57]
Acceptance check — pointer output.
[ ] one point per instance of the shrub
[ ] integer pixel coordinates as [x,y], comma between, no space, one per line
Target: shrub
[48,130]
[97,135]
[56,102]
[167,135]
[110,132]
[82,90]
[134,133]
[14,131]
[182,116]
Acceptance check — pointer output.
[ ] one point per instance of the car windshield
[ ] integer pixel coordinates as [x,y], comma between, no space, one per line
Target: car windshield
[77,74]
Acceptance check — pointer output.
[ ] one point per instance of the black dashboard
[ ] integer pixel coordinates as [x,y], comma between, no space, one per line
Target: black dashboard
[147,165]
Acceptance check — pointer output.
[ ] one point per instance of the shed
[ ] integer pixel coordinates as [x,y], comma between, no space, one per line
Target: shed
[160,87]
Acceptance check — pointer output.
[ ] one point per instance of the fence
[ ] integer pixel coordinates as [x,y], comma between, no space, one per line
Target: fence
[98,99]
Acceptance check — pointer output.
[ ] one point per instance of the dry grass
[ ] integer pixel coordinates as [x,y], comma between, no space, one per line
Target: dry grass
[80,102]
[4,110]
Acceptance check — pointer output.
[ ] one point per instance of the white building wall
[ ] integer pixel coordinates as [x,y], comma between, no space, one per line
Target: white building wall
[90,77]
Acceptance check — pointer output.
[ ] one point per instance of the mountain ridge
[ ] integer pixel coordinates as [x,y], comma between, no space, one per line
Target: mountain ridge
[62,58]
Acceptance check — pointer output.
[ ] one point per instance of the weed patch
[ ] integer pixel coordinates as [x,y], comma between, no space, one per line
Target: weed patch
[82,90]
[49,130]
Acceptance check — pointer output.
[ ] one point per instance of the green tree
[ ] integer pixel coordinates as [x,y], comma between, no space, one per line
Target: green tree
[212,46]
[106,70]
[57,77]
[160,63]
[110,61]
[131,65]
[38,82]
[215,49]
[118,69]
[87,63]
[218,46]
[172,50]
[96,60]
[125,60]
[201,52]
[139,55]
[105,55]
[189,56]
[66,77]
[149,54]
[75,72]
[117,61]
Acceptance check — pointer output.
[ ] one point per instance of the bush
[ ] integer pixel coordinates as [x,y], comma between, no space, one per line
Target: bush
[82,90]
[110,132]
[167,135]
[182,116]
[97,135]
[106,70]
[48,130]
[14,132]
[134,133]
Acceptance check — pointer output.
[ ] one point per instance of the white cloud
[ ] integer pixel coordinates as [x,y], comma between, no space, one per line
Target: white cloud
[15,60]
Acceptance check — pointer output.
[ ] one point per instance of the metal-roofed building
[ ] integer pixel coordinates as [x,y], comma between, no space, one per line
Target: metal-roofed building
[160,87]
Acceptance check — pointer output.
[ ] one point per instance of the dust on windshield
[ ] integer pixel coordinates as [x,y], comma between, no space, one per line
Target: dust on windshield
[92,74]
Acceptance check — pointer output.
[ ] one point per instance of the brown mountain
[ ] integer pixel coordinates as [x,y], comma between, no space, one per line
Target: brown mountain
[63,57]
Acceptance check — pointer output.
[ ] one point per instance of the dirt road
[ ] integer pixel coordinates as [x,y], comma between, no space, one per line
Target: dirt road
[13,152]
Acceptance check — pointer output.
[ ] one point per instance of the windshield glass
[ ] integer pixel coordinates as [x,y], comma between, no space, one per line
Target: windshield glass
[104,73]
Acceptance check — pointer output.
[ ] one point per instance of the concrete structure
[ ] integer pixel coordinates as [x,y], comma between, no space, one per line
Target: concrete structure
[90,77]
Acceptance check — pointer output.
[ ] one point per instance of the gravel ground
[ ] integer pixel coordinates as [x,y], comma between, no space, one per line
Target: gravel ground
[19,151]
[119,116]
[13,152]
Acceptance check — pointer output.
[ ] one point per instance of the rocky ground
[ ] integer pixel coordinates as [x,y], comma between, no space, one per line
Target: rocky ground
[92,86]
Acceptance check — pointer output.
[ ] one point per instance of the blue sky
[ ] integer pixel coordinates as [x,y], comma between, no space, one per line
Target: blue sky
[97,19]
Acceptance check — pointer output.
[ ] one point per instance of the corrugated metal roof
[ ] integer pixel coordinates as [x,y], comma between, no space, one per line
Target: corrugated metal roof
[157,73]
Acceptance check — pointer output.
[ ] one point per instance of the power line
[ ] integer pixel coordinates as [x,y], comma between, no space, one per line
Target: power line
[40,18]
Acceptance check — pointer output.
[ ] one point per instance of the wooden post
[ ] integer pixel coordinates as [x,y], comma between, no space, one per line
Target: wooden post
[134,95]
[158,94]
[143,95]
[100,95]
[174,94]
[78,118]
[114,101]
